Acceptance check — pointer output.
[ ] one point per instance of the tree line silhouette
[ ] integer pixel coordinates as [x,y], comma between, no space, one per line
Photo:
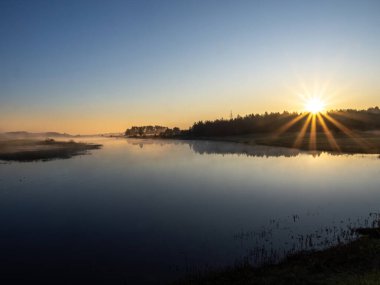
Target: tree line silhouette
[268,123]
[149,131]
[361,120]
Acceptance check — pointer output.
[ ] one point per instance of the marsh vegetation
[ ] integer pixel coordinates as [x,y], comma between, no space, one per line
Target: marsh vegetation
[47,149]
[330,255]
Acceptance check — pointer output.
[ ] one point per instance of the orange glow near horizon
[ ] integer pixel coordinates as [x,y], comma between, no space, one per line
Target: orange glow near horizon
[112,119]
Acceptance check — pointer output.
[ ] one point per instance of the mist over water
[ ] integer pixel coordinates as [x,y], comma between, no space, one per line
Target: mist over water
[148,211]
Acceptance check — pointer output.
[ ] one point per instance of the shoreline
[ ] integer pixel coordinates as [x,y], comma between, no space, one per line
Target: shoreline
[357,262]
[359,143]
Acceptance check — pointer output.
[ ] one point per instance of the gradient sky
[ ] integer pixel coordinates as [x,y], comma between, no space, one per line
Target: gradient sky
[102,66]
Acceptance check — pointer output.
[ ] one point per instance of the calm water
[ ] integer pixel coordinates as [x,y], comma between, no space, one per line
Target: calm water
[144,212]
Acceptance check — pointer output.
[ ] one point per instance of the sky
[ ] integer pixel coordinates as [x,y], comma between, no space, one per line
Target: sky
[87,67]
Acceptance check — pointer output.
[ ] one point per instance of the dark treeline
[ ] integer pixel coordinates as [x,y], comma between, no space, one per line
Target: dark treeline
[145,130]
[362,120]
[152,131]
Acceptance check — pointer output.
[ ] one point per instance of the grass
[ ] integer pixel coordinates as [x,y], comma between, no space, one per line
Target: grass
[361,142]
[24,150]
[356,263]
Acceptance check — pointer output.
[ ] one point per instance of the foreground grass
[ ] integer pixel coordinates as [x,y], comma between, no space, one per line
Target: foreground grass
[32,150]
[355,263]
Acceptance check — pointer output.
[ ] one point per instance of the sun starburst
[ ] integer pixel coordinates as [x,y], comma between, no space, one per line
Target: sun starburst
[315,105]
[317,127]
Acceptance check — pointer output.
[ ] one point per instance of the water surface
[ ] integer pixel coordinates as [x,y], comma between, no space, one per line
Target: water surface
[148,211]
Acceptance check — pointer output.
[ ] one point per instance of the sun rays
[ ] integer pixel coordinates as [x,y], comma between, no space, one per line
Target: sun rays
[319,129]
[329,135]
[302,133]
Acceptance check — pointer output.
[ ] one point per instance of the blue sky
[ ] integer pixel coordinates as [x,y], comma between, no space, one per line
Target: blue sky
[98,66]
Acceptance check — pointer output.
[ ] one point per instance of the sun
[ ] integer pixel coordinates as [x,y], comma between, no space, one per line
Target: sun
[314,105]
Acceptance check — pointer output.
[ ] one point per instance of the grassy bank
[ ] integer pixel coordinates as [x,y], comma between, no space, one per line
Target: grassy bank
[32,150]
[360,142]
[355,263]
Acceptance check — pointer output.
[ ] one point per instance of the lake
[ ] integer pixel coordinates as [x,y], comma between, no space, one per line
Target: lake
[150,211]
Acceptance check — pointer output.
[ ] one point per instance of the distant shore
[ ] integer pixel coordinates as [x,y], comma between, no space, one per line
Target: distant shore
[25,150]
[358,142]
[355,263]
